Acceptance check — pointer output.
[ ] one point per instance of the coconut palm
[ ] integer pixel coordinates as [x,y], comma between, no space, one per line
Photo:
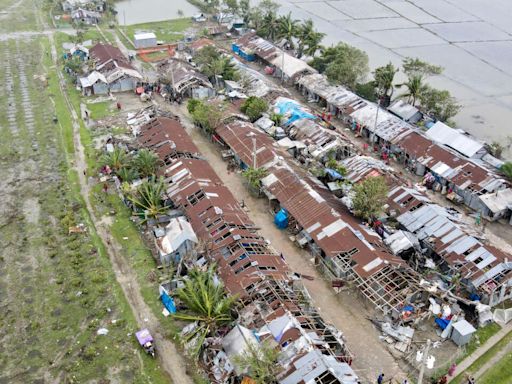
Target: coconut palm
[269,26]
[287,29]
[207,304]
[313,43]
[215,68]
[127,174]
[308,39]
[116,160]
[146,162]
[415,87]
[148,198]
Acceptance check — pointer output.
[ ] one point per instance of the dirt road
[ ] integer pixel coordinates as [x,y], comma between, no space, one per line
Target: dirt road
[345,310]
[170,358]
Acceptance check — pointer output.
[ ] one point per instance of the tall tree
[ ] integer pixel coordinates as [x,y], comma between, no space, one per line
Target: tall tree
[254,107]
[287,29]
[260,362]
[342,64]
[269,26]
[206,304]
[369,197]
[439,104]
[415,66]
[268,6]
[383,77]
[232,6]
[308,39]
[146,162]
[415,88]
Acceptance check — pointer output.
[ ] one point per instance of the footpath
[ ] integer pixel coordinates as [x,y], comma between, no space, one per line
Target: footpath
[468,361]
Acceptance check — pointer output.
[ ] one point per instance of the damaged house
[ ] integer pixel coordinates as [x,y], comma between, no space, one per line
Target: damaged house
[280,63]
[117,73]
[484,271]
[274,305]
[466,179]
[182,79]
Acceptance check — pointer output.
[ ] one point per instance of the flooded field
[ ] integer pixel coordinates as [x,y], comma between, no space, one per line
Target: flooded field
[137,11]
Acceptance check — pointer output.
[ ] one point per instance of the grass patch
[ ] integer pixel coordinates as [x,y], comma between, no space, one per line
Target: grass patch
[501,373]
[100,110]
[168,31]
[479,363]
[480,337]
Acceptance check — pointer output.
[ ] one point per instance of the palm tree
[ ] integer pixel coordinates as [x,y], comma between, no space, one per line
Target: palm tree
[308,39]
[384,77]
[127,174]
[260,362]
[116,159]
[313,43]
[287,29]
[269,26]
[207,305]
[415,88]
[148,198]
[146,162]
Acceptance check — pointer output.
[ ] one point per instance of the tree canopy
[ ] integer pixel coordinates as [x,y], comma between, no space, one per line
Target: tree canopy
[383,79]
[254,176]
[342,64]
[414,66]
[148,198]
[439,104]
[260,362]
[206,116]
[146,162]
[506,169]
[369,197]
[206,303]
[254,107]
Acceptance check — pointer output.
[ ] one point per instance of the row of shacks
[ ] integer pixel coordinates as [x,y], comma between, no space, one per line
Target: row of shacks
[457,163]
[351,251]
[346,249]
[274,306]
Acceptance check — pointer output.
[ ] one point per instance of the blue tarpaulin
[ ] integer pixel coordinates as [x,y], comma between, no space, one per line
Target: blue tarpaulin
[294,110]
[168,302]
[281,219]
[443,323]
[334,174]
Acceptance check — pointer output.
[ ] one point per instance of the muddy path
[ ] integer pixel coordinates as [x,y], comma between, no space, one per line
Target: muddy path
[170,358]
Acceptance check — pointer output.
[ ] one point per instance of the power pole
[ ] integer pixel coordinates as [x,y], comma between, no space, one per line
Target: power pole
[376,120]
[254,151]
[282,68]
[424,362]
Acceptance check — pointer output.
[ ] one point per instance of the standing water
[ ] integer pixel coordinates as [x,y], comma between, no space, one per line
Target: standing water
[136,11]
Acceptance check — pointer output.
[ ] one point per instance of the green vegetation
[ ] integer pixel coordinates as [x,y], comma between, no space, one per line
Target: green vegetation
[207,304]
[254,107]
[100,110]
[500,373]
[487,356]
[506,169]
[148,199]
[213,64]
[59,286]
[369,197]
[342,64]
[205,116]
[254,176]
[168,31]
[260,362]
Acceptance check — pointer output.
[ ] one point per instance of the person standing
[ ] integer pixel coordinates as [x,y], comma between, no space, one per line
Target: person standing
[380,379]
